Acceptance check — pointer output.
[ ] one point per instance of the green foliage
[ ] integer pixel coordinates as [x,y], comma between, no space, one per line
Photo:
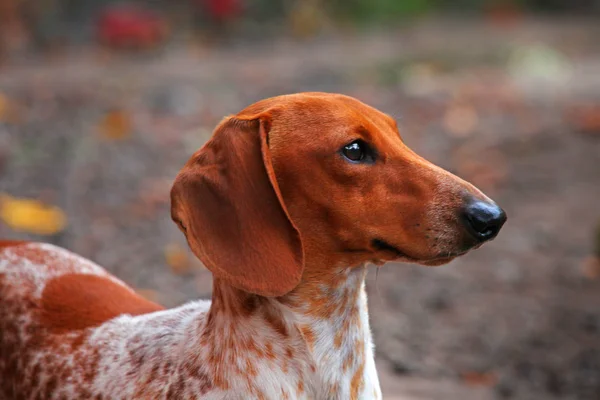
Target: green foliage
[377,11]
[365,11]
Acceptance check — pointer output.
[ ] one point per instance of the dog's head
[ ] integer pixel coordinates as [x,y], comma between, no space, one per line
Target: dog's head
[320,180]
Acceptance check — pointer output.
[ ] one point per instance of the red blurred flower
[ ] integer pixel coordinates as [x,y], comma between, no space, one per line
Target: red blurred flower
[130,26]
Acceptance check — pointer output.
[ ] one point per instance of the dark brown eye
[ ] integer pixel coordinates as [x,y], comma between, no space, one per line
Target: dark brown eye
[354,151]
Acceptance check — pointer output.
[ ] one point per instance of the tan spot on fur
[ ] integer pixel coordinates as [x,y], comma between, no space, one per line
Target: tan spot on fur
[354,317]
[250,368]
[309,336]
[337,342]
[79,301]
[254,348]
[300,388]
[357,382]
[269,351]
[348,361]
[285,367]
[257,393]
[359,348]
[247,343]
[334,390]
[220,380]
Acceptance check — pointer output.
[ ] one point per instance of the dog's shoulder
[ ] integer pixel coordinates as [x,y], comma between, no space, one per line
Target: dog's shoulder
[66,291]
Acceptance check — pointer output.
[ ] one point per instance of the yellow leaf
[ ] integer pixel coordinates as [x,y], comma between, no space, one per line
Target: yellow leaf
[8,111]
[479,378]
[31,216]
[116,125]
[177,258]
[4,106]
[306,18]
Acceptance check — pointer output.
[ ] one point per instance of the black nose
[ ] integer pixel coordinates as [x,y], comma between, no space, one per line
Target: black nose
[484,219]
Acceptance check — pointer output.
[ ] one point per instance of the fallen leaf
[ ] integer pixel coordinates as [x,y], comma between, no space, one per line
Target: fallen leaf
[4,106]
[177,259]
[31,216]
[585,118]
[479,378]
[116,125]
[306,18]
[8,111]
[590,267]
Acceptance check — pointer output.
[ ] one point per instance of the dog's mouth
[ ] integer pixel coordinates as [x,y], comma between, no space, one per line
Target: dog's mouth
[390,252]
[398,255]
[382,245]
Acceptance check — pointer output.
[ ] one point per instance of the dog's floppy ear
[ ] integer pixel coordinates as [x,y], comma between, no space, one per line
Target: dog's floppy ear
[227,202]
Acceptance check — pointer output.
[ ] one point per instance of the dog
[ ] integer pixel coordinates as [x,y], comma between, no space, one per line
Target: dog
[286,205]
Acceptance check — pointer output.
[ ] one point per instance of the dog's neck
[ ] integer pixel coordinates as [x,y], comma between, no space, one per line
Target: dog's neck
[330,310]
[318,332]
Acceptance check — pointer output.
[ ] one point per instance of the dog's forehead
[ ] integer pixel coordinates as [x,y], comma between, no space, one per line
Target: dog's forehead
[320,108]
[332,118]
[339,108]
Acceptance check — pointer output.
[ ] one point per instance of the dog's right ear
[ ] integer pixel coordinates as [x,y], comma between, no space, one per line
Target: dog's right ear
[228,204]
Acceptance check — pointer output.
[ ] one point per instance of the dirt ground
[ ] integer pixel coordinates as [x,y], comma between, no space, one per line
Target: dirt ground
[515,111]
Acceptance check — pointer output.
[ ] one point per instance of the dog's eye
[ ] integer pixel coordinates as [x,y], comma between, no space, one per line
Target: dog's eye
[358,152]
[354,151]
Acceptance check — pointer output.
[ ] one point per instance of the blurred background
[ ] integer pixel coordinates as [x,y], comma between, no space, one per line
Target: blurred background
[102,102]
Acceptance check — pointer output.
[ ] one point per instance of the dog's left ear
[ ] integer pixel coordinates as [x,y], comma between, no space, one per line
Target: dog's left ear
[228,203]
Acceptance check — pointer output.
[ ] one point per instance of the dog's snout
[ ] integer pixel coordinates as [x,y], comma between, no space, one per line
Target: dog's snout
[483,219]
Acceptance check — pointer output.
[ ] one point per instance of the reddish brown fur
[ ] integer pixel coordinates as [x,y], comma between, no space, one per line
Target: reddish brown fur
[78,301]
[11,243]
[202,196]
